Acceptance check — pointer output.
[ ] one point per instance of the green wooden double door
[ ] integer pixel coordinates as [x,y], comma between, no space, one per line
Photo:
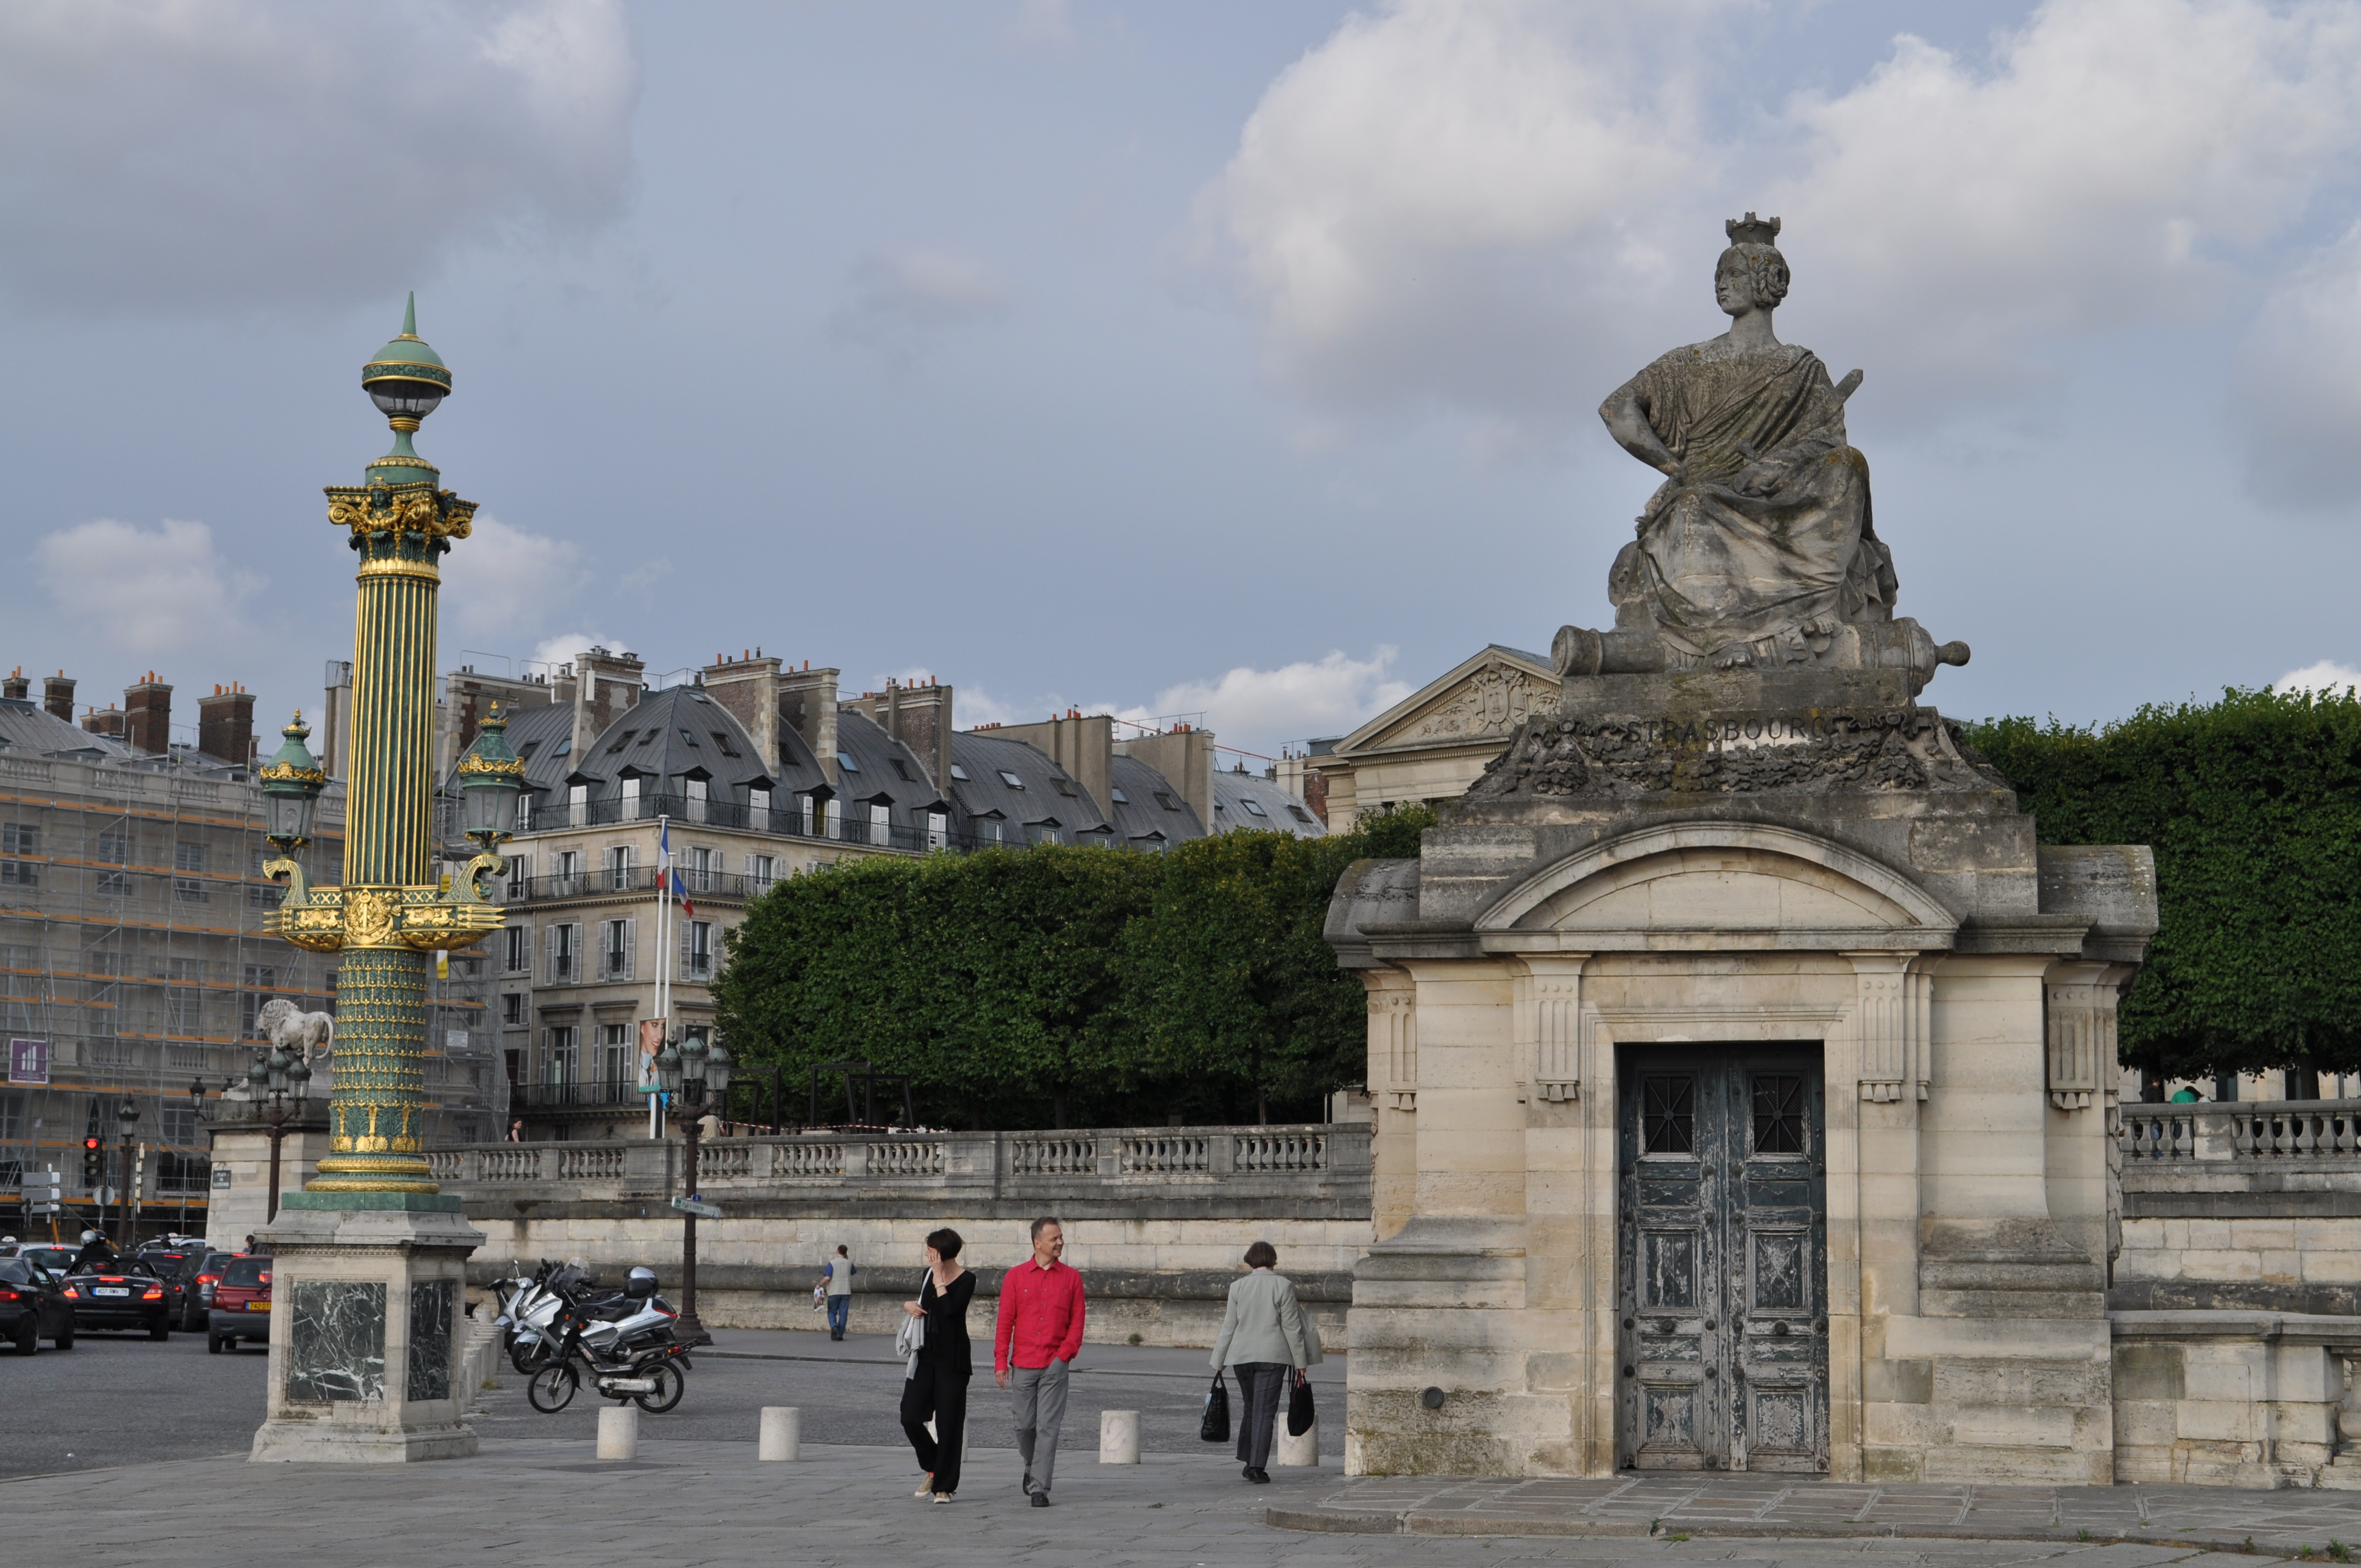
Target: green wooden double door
[1723,1316]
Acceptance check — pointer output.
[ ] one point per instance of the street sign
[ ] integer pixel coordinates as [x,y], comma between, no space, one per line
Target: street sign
[28,1061]
[698,1207]
[40,1192]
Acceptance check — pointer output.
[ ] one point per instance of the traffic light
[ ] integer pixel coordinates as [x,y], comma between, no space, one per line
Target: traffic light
[93,1164]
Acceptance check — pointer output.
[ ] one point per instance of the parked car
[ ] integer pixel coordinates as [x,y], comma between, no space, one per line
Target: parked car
[122,1295]
[33,1307]
[241,1308]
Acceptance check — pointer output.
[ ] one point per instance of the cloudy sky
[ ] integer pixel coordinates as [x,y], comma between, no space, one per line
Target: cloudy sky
[1230,359]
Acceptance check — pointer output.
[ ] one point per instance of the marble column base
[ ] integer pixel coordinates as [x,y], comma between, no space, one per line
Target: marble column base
[368,1333]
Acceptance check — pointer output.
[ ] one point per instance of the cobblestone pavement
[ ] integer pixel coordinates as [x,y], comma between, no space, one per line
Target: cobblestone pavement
[526,1502]
[2281,1523]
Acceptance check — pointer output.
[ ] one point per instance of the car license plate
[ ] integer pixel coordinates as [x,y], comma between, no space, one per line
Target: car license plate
[111,1290]
[258,1306]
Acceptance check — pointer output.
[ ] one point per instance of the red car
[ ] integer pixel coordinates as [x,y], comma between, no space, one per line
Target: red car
[241,1308]
[120,1295]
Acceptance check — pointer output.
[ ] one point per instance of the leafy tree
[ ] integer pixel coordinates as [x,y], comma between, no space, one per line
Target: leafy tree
[2253,806]
[1066,984]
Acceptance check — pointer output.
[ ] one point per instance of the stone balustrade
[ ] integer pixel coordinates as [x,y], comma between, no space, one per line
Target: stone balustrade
[2320,1134]
[1309,1171]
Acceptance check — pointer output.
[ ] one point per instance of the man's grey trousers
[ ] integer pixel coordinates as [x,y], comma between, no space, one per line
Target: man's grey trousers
[1040,1411]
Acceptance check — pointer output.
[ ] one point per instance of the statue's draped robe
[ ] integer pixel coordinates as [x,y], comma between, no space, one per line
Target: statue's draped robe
[1766,571]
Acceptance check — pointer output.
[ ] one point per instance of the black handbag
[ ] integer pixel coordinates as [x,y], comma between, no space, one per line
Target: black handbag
[1215,1427]
[1298,1407]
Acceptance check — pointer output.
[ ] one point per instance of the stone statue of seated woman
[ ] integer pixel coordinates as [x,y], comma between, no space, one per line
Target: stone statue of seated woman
[1758,550]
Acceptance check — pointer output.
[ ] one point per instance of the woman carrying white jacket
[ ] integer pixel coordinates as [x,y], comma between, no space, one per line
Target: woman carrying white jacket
[1268,1338]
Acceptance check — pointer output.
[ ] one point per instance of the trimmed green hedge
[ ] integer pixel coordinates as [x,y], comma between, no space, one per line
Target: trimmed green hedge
[1062,986]
[2253,806]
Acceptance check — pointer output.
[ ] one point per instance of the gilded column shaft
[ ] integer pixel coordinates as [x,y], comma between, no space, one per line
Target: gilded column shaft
[389,838]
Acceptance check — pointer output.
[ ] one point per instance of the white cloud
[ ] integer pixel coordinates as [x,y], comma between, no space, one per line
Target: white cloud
[160,590]
[503,582]
[1500,207]
[904,301]
[2327,676]
[566,648]
[2108,166]
[1260,708]
[1440,201]
[202,152]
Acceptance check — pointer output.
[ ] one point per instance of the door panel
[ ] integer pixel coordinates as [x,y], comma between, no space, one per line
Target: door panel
[1723,1278]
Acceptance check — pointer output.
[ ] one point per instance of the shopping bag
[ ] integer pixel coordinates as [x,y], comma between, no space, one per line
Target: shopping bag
[1215,1427]
[1298,1407]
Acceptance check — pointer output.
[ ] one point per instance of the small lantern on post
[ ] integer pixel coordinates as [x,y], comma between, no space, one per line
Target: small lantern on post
[291,782]
[490,780]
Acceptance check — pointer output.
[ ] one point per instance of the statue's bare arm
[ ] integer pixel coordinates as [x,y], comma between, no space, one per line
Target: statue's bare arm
[1626,413]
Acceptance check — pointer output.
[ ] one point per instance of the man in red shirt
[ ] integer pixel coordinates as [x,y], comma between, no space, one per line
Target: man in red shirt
[1039,1334]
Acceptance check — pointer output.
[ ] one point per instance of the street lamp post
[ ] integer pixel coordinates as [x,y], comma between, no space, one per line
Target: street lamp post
[126,1122]
[371,1243]
[686,1073]
[278,1082]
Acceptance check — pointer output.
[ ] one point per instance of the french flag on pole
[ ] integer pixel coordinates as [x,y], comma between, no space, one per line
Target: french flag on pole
[669,880]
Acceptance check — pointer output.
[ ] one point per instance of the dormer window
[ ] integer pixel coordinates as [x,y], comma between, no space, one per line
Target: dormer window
[1254,807]
[1011,780]
[721,738]
[902,771]
[959,773]
[684,735]
[1119,797]
[1065,786]
[563,747]
[844,760]
[1167,802]
[621,742]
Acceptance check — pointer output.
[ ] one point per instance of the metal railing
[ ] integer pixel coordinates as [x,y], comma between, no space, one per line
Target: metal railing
[783,819]
[2259,1130]
[1312,1162]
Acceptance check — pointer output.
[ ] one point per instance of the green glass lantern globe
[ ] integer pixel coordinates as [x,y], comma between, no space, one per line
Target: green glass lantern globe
[406,378]
[291,782]
[668,1071]
[717,1068]
[490,780]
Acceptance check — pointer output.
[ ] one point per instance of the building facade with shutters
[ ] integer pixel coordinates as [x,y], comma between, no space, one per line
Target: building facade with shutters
[756,773]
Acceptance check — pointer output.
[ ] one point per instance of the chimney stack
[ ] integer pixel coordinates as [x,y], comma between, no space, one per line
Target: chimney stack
[109,723]
[749,688]
[606,685]
[56,696]
[17,687]
[225,724]
[148,715]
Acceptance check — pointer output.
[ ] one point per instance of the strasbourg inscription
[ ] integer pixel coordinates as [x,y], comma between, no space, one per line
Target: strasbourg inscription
[1817,752]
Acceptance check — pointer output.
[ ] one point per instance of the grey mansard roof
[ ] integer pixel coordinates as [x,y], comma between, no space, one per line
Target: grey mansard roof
[1044,793]
[1250,800]
[28,730]
[1151,813]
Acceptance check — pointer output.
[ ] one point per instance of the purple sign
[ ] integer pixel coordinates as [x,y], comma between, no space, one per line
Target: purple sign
[28,1061]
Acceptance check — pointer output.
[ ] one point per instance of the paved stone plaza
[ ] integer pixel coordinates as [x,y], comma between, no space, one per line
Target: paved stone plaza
[542,1500]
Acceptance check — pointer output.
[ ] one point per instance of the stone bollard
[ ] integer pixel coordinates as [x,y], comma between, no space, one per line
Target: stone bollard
[1118,1437]
[1300,1451]
[619,1432]
[782,1433]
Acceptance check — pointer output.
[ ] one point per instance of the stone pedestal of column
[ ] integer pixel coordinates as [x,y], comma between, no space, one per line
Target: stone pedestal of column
[367,1296]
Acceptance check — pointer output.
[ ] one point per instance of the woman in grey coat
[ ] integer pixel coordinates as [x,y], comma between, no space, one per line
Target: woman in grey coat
[1266,1331]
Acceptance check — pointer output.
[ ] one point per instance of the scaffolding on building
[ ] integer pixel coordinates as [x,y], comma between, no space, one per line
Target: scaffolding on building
[135,955]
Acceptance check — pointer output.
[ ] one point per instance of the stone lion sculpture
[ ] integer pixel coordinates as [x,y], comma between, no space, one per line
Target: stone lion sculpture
[310,1036]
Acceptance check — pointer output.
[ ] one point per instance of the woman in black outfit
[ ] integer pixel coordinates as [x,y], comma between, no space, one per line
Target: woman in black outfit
[936,1385]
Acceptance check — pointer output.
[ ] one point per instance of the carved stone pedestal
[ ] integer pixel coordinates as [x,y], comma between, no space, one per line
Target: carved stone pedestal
[366,1328]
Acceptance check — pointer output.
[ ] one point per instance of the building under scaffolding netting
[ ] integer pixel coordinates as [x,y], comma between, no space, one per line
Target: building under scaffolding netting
[134,953]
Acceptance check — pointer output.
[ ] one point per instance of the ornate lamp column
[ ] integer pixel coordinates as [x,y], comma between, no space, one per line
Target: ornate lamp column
[365,1345]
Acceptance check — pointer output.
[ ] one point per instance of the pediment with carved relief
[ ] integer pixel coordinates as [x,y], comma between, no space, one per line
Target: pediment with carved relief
[1490,702]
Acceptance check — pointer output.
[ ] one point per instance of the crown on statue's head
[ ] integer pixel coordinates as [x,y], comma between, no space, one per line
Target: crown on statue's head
[1751,230]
